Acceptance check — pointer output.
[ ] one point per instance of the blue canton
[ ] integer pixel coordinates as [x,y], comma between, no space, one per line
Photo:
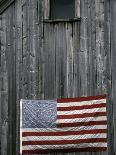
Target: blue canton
[39,114]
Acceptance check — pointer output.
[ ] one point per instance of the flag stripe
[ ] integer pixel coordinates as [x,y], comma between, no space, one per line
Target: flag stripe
[87,149]
[77,120]
[81,107]
[80,99]
[68,104]
[81,111]
[65,129]
[66,137]
[24,134]
[94,114]
[82,124]
[67,146]
[62,142]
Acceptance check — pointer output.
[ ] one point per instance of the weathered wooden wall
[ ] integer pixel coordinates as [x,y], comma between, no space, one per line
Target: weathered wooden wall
[45,60]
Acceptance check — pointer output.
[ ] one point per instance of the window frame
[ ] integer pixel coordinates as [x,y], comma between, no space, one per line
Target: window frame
[4,5]
[46,11]
[57,9]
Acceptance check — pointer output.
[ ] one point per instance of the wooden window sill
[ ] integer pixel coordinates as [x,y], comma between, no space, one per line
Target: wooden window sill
[61,20]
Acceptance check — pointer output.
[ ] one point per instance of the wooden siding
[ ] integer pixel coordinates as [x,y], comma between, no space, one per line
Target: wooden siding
[4,4]
[47,60]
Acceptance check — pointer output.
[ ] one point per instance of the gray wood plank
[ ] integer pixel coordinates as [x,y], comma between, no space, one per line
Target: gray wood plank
[108,75]
[113,73]
[10,53]
[4,88]
[50,60]
[18,25]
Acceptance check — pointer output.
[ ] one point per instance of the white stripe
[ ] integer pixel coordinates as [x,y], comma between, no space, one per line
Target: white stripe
[86,119]
[70,137]
[81,111]
[81,103]
[68,146]
[20,126]
[80,128]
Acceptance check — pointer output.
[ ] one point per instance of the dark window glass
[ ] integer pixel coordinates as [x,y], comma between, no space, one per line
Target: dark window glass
[62,9]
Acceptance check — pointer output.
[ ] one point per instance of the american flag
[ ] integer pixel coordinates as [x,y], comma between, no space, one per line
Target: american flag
[63,125]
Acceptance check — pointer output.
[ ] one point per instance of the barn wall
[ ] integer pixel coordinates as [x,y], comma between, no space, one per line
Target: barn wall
[113,69]
[45,60]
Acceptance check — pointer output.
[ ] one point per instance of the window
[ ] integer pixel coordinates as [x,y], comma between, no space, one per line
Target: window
[62,9]
[4,4]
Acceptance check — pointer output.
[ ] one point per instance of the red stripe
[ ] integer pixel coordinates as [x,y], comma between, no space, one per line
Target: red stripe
[82,124]
[65,133]
[62,142]
[37,151]
[87,149]
[79,99]
[81,107]
[95,114]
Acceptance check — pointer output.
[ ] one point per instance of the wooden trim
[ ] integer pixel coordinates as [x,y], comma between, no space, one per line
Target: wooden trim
[61,20]
[4,4]
[77,8]
[46,11]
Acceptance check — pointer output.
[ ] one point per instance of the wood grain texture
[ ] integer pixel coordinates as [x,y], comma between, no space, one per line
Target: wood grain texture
[4,87]
[46,9]
[4,5]
[113,72]
[48,60]
[77,8]
[108,43]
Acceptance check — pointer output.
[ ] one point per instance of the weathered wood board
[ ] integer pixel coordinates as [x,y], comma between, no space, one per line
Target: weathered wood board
[47,60]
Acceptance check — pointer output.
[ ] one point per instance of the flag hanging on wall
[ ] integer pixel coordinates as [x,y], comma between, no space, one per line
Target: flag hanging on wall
[63,125]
